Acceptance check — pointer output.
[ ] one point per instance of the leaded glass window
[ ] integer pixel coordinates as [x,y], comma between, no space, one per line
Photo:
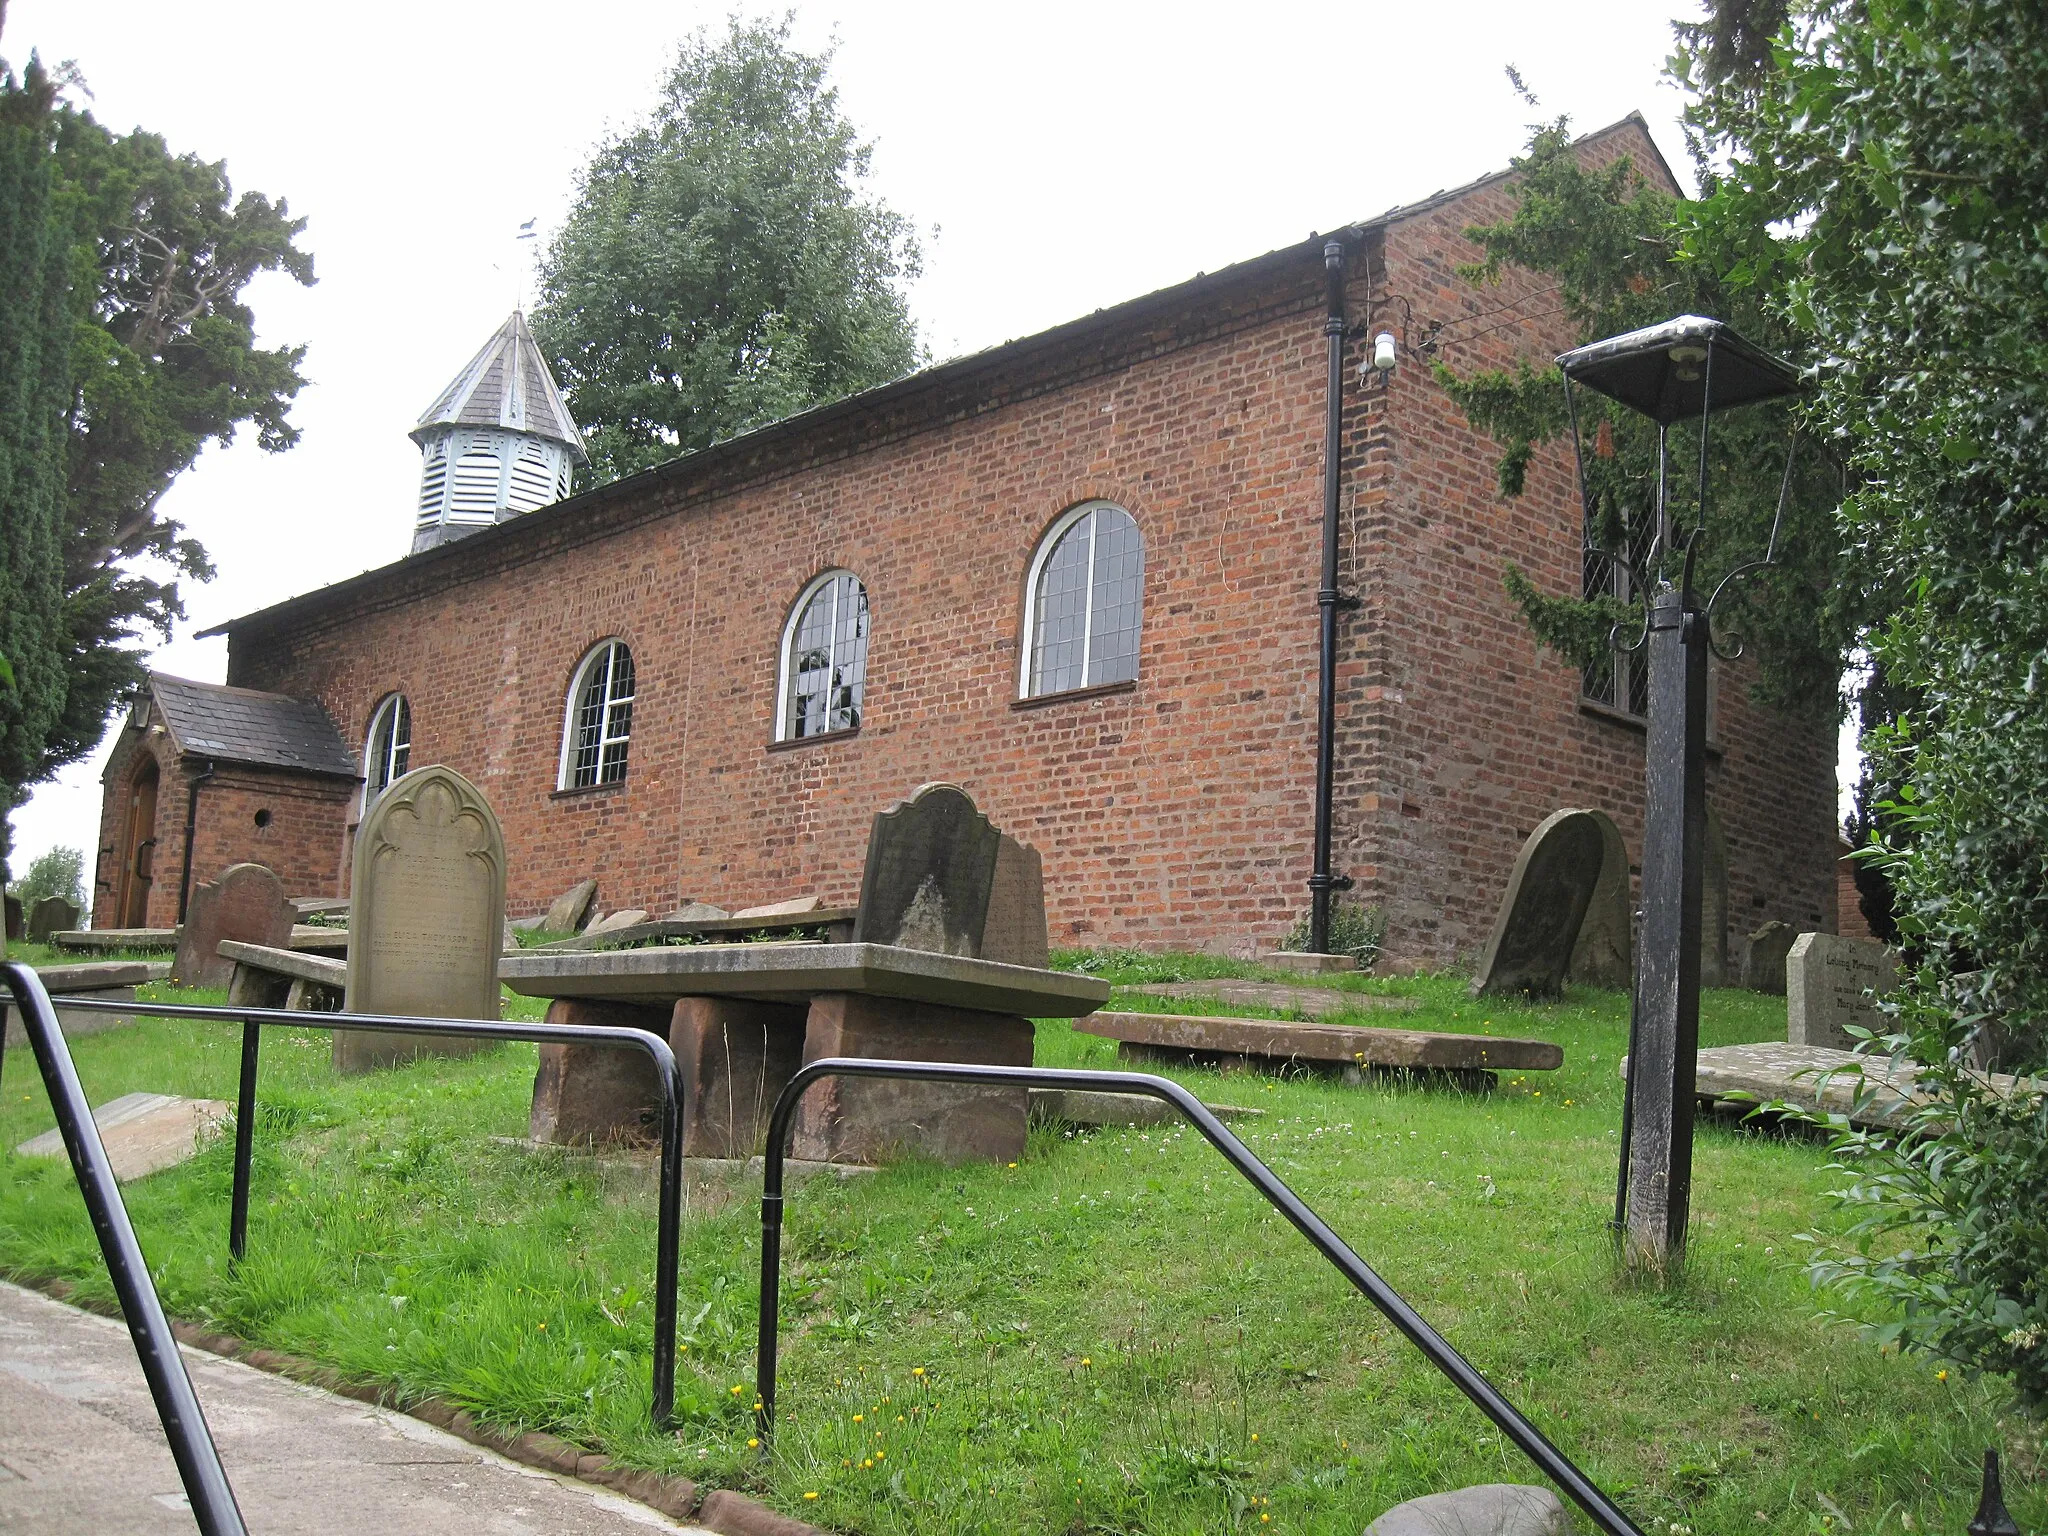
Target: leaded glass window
[825,658]
[388,753]
[600,718]
[1084,613]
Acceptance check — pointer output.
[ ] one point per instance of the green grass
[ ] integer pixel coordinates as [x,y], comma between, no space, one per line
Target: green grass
[1114,1336]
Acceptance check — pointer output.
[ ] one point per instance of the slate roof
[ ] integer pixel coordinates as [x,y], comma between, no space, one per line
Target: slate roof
[241,725]
[506,385]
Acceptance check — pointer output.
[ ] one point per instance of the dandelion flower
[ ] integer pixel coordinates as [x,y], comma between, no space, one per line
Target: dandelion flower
[753,1444]
[857,1418]
[810,1495]
[1086,1361]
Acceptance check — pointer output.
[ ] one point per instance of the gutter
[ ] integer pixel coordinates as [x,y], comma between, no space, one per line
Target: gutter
[191,828]
[1328,600]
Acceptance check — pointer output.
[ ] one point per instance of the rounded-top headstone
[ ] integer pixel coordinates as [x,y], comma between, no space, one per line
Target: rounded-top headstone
[1549,890]
[426,927]
[53,914]
[246,903]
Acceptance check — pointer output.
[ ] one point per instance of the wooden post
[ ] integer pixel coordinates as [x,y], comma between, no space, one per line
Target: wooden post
[1666,1029]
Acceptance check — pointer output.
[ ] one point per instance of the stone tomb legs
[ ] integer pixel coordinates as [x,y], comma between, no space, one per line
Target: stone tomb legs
[737,1056]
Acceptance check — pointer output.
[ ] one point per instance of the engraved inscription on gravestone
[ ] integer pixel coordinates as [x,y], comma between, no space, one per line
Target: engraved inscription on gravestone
[1828,985]
[425,929]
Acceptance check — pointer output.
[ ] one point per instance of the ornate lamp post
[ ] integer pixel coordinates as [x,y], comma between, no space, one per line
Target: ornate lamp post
[1684,368]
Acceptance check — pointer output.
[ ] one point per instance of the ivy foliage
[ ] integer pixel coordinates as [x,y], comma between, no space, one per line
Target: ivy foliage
[1884,190]
[721,268]
[1611,242]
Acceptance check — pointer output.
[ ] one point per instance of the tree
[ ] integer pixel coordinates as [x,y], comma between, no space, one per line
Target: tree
[721,268]
[1611,241]
[59,872]
[164,360]
[1883,177]
[35,325]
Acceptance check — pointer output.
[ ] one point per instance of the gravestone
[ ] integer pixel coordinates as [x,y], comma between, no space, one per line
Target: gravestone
[1604,955]
[53,914]
[142,1132]
[613,920]
[1714,970]
[1015,931]
[1763,963]
[930,871]
[795,906]
[1549,890]
[425,928]
[1828,985]
[247,904]
[571,909]
[13,928]
[696,912]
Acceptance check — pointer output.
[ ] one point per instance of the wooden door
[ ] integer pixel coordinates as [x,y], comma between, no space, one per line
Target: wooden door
[138,860]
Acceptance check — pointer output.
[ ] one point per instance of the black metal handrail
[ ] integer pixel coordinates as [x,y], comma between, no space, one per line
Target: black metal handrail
[192,1447]
[669,1201]
[1599,1508]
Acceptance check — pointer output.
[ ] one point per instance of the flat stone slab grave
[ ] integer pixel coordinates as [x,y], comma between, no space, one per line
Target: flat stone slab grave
[116,938]
[1316,1002]
[142,1132]
[1780,1070]
[879,1000]
[1352,1048]
[284,978]
[103,981]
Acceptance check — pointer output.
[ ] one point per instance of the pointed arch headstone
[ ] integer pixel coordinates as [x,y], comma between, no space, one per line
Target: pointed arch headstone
[426,922]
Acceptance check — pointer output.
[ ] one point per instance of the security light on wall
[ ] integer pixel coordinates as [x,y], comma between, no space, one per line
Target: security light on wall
[1381,361]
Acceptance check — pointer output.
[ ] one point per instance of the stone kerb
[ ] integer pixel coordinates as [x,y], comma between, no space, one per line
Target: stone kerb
[247,904]
[1549,891]
[426,922]
[1831,983]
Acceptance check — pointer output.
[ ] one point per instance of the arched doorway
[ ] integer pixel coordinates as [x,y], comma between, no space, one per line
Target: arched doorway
[138,847]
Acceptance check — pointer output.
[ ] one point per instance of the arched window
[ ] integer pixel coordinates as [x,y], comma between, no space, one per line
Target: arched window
[600,718]
[1081,617]
[388,752]
[824,659]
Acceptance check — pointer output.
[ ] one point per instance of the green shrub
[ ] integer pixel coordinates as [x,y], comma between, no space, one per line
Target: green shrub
[1355,930]
[60,872]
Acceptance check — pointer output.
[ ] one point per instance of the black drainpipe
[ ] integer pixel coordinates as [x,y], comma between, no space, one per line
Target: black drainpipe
[1328,600]
[191,829]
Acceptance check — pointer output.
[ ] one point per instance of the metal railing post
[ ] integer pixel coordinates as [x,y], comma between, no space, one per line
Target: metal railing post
[669,1200]
[245,1137]
[1581,1489]
[177,1406]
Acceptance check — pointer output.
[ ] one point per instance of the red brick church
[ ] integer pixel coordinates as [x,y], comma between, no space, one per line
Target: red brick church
[1076,573]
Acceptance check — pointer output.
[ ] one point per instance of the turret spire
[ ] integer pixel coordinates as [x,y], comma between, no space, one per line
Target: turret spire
[498,441]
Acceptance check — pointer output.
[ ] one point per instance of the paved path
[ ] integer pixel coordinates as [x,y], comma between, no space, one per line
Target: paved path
[81,1452]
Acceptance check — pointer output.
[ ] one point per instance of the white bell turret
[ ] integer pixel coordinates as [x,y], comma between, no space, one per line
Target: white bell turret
[498,441]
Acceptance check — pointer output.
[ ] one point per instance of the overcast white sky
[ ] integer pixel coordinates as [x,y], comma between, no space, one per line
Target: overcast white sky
[1071,154]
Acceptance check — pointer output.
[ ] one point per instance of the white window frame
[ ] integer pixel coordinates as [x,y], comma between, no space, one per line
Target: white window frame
[601,652]
[1036,573]
[785,723]
[389,704]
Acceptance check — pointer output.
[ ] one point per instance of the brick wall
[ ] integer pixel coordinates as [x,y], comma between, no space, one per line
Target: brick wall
[1473,733]
[1172,813]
